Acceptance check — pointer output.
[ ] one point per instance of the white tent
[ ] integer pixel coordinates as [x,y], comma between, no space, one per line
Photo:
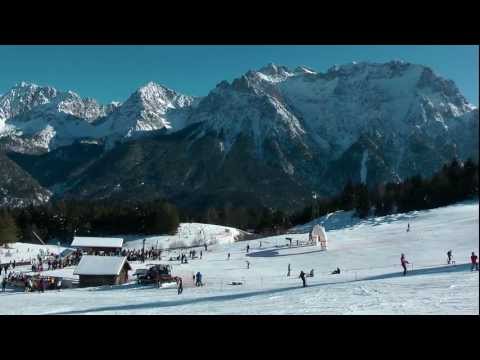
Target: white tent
[319,236]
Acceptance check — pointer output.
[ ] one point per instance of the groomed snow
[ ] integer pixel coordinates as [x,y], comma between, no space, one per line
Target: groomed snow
[366,251]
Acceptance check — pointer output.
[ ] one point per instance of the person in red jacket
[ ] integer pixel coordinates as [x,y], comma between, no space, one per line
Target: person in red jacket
[404,263]
[474,261]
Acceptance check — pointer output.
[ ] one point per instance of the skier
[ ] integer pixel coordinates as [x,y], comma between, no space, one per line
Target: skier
[288,272]
[248,264]
[260,244]
[248,248]
[474,258]
[180,286]
[404,262]
[4,284]
[302,276]
[408,227]
[228,256]
[201,253]
[14,264]
[198,279]
[449,254]
[205,247]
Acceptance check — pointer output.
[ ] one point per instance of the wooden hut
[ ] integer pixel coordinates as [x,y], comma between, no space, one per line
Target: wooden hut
[102,270]
[97,245]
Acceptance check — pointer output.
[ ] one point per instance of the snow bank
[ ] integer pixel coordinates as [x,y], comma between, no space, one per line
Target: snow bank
[189,234]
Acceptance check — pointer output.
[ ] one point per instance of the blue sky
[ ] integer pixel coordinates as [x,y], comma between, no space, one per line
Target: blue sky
[110,73]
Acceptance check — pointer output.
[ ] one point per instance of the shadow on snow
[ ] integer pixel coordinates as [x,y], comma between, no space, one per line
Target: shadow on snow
[165,304]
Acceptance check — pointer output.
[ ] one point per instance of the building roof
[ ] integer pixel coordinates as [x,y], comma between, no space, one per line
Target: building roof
[101,265]
[97,242]
[67,252]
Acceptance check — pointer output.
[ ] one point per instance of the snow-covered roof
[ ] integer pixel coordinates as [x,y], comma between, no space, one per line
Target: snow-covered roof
[100,265]
[66,252]
[79,241]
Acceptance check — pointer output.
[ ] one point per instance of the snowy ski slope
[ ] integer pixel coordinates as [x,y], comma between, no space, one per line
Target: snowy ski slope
[367,251]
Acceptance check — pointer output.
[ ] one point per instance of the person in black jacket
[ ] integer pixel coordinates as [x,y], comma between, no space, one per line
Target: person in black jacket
[302,276]
[180,286]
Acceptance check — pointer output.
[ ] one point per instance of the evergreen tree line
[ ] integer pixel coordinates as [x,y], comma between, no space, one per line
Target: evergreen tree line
[455,182]
[60,220]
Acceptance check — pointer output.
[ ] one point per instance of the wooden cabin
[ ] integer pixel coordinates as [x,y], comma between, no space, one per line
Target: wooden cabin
[102,270]
[98,245]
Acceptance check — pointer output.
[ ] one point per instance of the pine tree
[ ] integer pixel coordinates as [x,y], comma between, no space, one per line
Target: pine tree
[8,229]
[362,205]
[347,198]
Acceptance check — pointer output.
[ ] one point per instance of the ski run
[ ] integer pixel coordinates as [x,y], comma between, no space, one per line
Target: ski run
[366,251]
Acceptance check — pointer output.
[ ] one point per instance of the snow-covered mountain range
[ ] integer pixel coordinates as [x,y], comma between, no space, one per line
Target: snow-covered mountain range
[37,119]
[267,133]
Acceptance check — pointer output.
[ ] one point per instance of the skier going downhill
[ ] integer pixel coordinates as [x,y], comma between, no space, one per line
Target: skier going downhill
[404,263]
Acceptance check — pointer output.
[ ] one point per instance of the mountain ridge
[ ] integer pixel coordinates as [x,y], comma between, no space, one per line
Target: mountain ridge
[272,135]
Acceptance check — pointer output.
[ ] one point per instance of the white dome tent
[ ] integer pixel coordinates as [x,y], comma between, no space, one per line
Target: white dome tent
[319,236]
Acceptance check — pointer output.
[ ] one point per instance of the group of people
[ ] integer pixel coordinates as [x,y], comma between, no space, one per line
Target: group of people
[31,283]
[193,254]
[58,263]
[403,262]
[42,283]
[183,258]
[6,267]
[140,255]
[55,261]
[473,261]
